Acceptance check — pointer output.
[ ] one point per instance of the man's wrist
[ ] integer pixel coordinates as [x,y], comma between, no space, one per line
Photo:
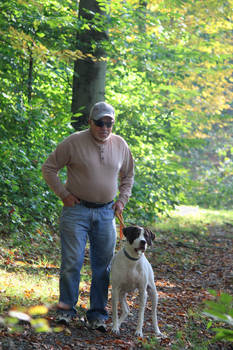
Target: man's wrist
[121,201]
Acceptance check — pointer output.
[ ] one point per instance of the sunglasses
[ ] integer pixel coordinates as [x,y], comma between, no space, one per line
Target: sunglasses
[101,123]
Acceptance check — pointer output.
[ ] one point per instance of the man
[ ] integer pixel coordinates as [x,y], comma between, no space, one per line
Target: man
[95,160]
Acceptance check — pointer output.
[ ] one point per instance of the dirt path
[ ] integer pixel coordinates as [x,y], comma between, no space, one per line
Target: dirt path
[185,269]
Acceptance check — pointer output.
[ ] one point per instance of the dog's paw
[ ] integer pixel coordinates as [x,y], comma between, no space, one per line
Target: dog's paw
[115,330]
[139,333]
[160,334]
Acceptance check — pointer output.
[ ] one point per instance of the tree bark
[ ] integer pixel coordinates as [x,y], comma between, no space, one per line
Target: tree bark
[89,72]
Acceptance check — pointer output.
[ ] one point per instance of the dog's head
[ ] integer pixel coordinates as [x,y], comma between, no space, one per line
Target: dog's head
[138,237]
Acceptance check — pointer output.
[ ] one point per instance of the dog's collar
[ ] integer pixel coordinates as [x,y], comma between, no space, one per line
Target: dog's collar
[130,257]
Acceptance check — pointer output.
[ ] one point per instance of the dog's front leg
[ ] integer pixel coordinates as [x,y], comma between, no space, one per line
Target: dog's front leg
[115,301]
[154,296]
[143,298]
[124,307]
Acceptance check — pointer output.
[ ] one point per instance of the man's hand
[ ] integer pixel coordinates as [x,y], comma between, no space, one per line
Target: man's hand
[118,207]
[70,200]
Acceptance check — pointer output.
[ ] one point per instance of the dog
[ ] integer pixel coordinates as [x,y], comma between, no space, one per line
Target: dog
[131,270]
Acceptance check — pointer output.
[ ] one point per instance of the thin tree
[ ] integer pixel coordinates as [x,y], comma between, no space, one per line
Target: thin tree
[89,71]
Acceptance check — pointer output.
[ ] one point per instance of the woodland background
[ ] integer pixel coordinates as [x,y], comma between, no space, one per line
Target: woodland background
[166,67]
[169,76]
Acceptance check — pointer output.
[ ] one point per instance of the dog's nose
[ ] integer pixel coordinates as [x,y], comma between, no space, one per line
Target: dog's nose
[143,242]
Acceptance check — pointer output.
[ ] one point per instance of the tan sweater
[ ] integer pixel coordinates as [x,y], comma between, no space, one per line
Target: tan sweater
[93,168]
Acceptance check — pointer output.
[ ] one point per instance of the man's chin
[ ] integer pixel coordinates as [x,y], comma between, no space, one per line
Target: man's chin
[103,138]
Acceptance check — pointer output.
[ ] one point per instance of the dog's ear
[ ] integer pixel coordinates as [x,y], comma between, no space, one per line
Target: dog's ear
[131,233]
[149,235]
[127,231]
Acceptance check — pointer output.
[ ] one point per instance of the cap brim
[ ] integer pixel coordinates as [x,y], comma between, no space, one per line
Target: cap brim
[97,117]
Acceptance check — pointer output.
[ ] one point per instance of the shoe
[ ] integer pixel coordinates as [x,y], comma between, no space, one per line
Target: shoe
[64,318]
[98,325]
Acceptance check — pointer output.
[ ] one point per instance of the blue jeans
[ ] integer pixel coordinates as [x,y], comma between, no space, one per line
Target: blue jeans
[77,224]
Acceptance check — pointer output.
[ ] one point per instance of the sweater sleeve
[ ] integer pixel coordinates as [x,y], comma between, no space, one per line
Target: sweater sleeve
[126,177]
[50,169]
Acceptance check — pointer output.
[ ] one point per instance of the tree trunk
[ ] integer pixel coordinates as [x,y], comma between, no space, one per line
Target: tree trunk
[89,72]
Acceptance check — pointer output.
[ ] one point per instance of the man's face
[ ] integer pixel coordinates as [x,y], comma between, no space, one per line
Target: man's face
[102,128]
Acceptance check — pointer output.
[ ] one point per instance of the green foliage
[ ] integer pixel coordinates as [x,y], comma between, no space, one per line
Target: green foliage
[165,74]
[187,65]
[28,134]
[159,78]
[30,127]
[154,139]
[210,165]
[221,310]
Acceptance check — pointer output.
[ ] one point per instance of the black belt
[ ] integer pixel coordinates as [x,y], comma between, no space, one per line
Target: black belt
[93,205]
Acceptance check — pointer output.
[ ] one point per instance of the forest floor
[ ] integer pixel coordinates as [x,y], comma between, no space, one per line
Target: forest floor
[187,261]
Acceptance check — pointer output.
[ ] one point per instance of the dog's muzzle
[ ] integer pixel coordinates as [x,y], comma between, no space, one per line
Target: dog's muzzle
[142,246]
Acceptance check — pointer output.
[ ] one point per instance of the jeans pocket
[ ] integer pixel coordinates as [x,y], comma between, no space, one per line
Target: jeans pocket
[109,211]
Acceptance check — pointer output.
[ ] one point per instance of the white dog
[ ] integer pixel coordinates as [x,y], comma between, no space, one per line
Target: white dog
[131,270]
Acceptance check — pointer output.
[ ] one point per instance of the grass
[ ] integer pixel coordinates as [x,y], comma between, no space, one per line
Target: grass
[22,288]
[189,219]
[23,283]
[29,272]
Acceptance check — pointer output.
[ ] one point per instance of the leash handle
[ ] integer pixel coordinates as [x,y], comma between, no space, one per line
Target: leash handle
[122,225]
[121,219]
